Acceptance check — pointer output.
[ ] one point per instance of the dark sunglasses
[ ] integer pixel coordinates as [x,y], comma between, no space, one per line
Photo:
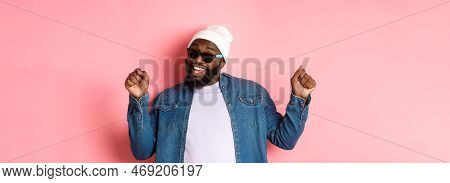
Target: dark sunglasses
[206,57]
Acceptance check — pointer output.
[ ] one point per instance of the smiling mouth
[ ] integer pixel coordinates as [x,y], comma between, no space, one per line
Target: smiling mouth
[197,69]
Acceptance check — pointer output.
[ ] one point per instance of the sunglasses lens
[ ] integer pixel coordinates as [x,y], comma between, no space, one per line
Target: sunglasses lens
[193,53]
[207,57]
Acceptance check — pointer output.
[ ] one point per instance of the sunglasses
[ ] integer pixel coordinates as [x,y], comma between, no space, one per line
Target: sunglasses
[206,57]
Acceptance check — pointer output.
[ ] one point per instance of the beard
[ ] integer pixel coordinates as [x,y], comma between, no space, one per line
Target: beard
[209,76]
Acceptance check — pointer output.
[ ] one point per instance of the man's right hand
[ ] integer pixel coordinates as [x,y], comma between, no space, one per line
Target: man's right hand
[137,83]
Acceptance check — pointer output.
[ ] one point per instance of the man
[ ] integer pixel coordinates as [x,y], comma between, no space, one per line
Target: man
[213,116]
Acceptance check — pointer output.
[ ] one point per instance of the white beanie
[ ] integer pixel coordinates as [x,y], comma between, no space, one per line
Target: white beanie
[217,34]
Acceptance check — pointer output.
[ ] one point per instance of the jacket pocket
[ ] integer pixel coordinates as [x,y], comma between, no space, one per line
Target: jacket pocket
[250,109]
[166,107]
[168,114]
[251,100]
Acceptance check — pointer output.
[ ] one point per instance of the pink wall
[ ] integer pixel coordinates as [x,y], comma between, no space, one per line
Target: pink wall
[380,65]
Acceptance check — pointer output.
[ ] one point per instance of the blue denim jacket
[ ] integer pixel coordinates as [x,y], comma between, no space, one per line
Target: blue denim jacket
[253,115]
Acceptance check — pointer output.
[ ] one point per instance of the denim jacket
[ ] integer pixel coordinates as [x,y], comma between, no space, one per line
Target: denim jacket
[254,120]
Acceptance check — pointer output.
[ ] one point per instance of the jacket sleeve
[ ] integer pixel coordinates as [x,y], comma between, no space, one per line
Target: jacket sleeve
[284,131]
[142,127]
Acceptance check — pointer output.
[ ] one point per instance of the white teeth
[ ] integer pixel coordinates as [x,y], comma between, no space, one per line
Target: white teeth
[199,68]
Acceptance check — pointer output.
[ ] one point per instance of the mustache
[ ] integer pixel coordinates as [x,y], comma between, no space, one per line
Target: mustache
[198,65]
[191,65]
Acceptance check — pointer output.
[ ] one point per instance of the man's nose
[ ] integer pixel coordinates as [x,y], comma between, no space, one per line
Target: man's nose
[198,59]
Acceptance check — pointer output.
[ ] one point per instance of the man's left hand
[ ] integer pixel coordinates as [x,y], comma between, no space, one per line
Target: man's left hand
[302,83]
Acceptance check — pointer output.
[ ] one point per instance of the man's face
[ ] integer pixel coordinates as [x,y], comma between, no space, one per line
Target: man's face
[199,73]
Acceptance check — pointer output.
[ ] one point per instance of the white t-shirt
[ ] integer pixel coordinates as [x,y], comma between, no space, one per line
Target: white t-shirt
[209,136]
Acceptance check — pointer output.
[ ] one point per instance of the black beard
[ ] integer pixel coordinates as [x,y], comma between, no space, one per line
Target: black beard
[210,74]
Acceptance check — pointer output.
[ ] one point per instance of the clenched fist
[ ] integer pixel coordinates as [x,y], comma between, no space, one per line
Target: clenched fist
[137,83]
[302,83]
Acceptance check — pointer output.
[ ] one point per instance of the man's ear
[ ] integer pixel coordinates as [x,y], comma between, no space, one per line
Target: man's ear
[222,63]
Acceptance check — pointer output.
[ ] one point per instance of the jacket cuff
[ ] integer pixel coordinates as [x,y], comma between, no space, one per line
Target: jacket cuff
[143,101]
[296,100]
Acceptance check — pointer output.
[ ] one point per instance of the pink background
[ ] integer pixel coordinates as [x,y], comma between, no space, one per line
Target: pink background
[380,65]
